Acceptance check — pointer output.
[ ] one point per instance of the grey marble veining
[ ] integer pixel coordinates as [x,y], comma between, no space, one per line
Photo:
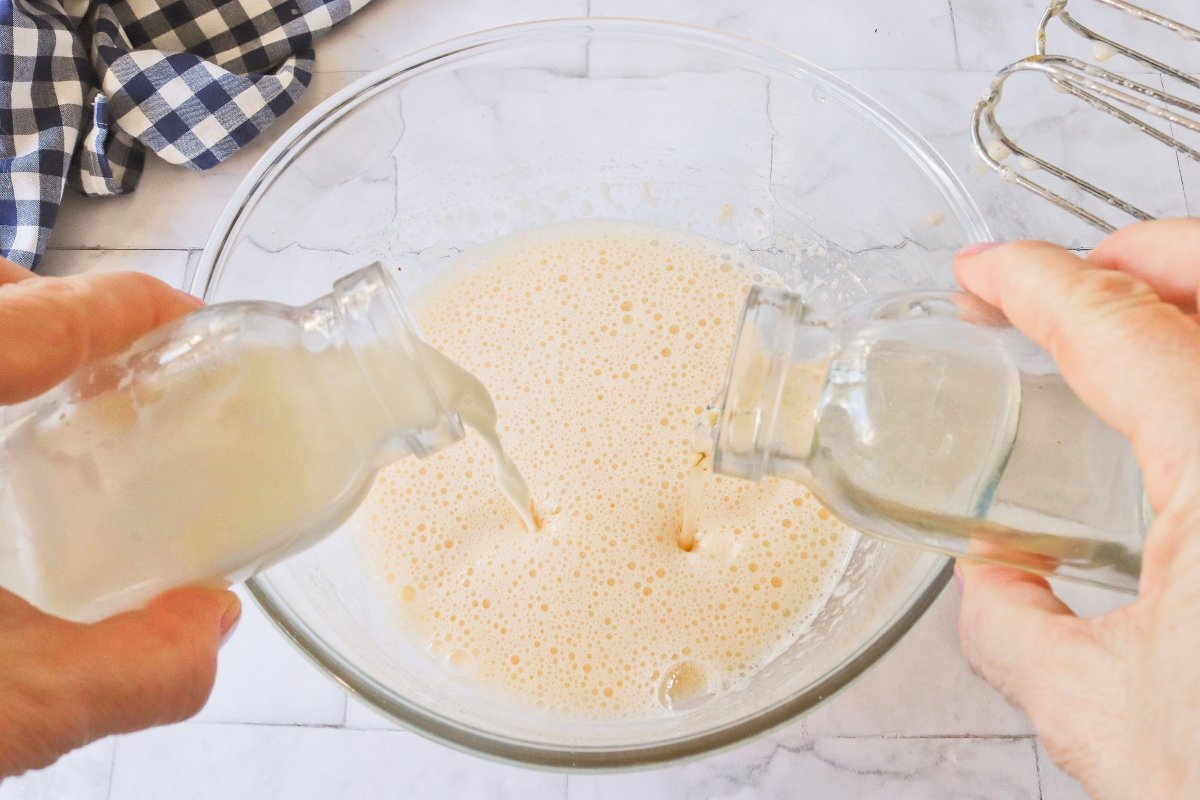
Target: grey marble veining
[199,762]
[274,686]
[918,725]
[1056,784]
[921,688]
[916,34]
[384,31]
[145,220]
[1063,130]
[169,266]
[789,765]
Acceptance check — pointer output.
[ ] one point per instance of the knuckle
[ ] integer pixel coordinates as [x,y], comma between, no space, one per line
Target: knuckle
[196,688]
[190,685]
[169,634]
[150,291]
[189,673]
[966,639]
[146,286]
[1031,251]
[968,633]
[1105,288]
[65,325]
[1096,299]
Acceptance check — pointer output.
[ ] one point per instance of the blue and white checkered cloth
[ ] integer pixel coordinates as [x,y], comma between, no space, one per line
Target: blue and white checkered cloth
[87,85]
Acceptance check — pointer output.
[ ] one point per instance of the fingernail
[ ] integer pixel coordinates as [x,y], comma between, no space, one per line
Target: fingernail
[975,248]
[958,584]
[230,619]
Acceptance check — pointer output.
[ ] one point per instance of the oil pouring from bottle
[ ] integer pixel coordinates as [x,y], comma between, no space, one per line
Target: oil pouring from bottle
[221,443]
[926,419]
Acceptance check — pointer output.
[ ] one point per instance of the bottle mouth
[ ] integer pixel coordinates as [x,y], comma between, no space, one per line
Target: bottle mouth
[375,311]
[759,417]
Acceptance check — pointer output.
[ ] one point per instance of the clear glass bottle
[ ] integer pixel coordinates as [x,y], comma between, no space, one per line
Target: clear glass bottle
[214,447]
[926,419]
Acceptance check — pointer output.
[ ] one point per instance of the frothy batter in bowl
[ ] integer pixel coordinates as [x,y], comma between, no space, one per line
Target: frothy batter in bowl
[600,343]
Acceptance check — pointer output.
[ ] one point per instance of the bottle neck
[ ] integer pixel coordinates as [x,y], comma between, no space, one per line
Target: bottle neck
[767,414]
[371,320]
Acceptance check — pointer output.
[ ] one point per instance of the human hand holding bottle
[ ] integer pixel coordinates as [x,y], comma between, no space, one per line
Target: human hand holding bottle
[64,684]
[1115,699]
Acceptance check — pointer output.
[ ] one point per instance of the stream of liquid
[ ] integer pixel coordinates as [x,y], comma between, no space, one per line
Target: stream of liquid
[600,343]
[466,396]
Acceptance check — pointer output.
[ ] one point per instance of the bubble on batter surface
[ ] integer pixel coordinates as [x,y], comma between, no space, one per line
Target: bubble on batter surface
[600,344]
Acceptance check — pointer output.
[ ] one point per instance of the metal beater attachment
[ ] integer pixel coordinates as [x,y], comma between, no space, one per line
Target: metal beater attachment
[1166,113]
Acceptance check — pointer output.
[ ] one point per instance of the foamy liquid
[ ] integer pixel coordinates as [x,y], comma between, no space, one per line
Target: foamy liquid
[600,343]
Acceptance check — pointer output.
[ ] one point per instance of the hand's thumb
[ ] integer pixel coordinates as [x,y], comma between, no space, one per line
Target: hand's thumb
[157,664]
[1016,634]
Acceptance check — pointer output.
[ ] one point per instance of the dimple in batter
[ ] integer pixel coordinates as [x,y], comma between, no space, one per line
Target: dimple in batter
[600,343]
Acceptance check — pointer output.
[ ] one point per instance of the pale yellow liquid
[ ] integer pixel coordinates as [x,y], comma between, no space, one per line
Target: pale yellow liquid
[210,474]
[600,344]
[191,477]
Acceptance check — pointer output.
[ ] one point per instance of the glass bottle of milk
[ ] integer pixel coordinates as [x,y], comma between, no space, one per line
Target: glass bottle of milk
[926,419]
[219,444]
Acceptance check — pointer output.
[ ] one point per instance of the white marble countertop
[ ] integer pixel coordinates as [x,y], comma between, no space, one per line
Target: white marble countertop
[918,725]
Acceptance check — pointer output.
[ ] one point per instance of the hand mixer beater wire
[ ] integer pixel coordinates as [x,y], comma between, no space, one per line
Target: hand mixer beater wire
[1101,89]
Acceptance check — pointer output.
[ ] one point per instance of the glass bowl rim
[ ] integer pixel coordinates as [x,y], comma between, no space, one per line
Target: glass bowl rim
[451,732]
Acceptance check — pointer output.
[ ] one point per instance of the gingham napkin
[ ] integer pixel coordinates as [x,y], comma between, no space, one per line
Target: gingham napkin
[86,87]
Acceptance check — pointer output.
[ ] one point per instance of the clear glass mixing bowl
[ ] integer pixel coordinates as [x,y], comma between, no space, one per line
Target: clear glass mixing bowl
[519,127]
